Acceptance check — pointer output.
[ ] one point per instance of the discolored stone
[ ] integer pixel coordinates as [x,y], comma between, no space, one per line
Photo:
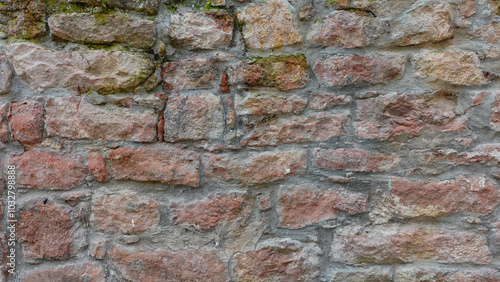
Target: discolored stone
[389,116]
[201,30]
[495,114]
[97,247]
[79,71]
[103,29]
[373,274]
[429,21]
[386,244]
[352,69]
[328,100]
[162,264]
[23,18]
[354,160]
[255,167]
[148,6]
[342,29]
[159,163]
[454,67]
[278,260]
[47,230]
[425,274]
[188,74]
[83,271]
[26,122]
[495,8]
[262,104]
[207,214]
[298,129]
[48,170]
[5,75]
[269,25]
[97,166]
[74,118]
[193,118]
[125,212]
[4,122]
[302,205]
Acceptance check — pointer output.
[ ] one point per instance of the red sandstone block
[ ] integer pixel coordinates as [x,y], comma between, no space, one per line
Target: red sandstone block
[192,73]
[83,271]
[354,160]
[26,122]
[97,166]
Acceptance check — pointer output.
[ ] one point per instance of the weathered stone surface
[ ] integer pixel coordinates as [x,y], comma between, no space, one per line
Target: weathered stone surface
[168,265]
[255,167]
[148,6]
[5,75]
[76,119]
[298,129]
[354,160]
[455,67]
[421,274]
[193,118]
[342,29]
[269,25]
[207,214]
[302,205]
[402,244]
[327,101]
[23,18]
[430,21]
[201,30]
[159,162]
[495,7]
[389,116]
[125,212]
[188,74]
[84,271]
[97,166]
[102,29]
[47,230]
[4,121]
[278,260]
[262,104]
[47,170]
[495,114]
[81,71]
[352,69]
[26,122]
[97,247]
[338,4]
[489,32]
[373,274]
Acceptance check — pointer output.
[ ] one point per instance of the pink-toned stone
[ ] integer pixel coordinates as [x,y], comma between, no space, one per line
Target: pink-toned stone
[6,75]
[206,214]
[4,122]
[159,163]
[268,104]
[327,101]
[193,118]
[26,122]
[48,170]
[269,24]
[297,129]
[125,212]
[490,32]
[387,244]
[147,6]
[255,167]
[97,166]
[354,160]
[459,275]
[188,74]
[302,205]
[162,264]
[495,114]
[346,70]
[83,271]
[389,116]
[97,247]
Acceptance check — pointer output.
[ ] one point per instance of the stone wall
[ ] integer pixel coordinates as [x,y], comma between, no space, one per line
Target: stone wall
[337,140]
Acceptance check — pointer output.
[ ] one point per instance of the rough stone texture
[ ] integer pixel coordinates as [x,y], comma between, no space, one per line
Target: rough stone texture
[328,100]
[269,25]
[263,104]
[76,119]
[47,230]
[206,214]
[374,274]
[354,160]
[300,129]
[342,29]
[430,21]
[84,271]
[495,7]
[4,122]
[102,29]
[26,122]
[302,205]
[23,18]
[420,274]
[125,212]
[97,247]
[490,32]
[389,116]
[193,118]
[403,244]
[495,115]
[352,69]
[5,75]
[162,264]
[161,163]
[97,166]
[48,170]
[147,6]
[188,74]
[201,30]
[81,71]
[452,66]
[255,168]
[278,260]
